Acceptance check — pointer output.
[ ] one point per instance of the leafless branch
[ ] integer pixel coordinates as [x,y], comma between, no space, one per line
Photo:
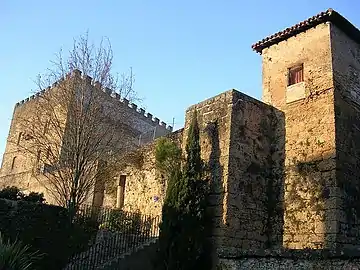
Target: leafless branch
[73,130]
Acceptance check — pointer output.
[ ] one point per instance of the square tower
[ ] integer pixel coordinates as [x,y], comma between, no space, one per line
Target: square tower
[311,73]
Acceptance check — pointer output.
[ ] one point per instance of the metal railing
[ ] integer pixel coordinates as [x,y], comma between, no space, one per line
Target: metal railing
[119,233]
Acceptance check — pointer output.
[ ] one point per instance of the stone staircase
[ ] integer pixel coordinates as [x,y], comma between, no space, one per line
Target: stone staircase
[140,258]
[109,251]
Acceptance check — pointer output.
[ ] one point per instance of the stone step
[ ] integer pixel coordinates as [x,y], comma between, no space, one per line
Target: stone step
[121,261]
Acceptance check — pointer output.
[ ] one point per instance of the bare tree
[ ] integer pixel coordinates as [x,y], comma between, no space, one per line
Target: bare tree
[73,130]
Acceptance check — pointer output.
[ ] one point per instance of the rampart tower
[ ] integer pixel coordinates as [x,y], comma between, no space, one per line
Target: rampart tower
[311,73]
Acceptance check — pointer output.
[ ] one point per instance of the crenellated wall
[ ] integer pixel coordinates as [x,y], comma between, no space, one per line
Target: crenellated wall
[122,101]
[135,126]
[283,173]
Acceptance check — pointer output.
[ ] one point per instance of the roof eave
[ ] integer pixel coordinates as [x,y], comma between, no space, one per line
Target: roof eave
[329,15]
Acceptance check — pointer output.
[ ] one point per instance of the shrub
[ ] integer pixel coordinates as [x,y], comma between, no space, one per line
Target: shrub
[121,221]
[15,194]
[183,232]
[35,197]
[11,193]
[83,233]
[16,256]
[167,156]
[46,228]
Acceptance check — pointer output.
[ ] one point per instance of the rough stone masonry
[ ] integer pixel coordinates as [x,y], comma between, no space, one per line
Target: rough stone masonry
[284,172]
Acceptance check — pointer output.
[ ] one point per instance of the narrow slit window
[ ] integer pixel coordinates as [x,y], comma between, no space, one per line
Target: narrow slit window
[296,75]
[121,192]
[13,163]
[19,138]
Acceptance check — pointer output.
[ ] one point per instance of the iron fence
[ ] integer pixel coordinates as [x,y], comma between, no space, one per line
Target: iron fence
[120,232]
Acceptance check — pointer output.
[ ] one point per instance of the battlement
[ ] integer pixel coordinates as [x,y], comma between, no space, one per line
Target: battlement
[116,96]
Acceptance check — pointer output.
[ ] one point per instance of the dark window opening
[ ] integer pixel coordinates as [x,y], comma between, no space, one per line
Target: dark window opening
[121,191]
[19,138]
[296,75]
[13,163]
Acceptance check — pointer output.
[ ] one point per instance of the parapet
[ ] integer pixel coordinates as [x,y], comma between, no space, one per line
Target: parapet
[125,102]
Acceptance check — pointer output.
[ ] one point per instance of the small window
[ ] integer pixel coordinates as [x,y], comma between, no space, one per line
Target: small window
[296,75]
[13,163]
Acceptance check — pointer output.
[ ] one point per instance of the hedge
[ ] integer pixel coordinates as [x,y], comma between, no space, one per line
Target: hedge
[45,228]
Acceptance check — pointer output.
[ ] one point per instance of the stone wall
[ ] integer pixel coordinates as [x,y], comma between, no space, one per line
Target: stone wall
[145,186]
[311,208]
[133,128]
[311,48]
[22,172]
[238,142]
[275,263]
[280,258]
[346,64]
[214,117]
[16,141]
[255,183]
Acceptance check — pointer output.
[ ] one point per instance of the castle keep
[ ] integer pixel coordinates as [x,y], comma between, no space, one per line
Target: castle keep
[22,168]
[284,171]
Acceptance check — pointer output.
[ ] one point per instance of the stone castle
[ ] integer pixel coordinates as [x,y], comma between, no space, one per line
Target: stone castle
[284,171]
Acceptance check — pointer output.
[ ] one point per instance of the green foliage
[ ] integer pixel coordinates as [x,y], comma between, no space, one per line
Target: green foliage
[121,221]
[83,232]
[45,228]
[11,193]
[35,197]
[167,156]
[15,194]
[183,230]
[133,223]
[194,164]
[16,256]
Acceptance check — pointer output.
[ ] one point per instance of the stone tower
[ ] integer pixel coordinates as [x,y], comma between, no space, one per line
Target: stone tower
[26,171]
[311,73]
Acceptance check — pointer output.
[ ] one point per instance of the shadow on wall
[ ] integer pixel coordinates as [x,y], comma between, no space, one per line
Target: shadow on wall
[347,135]
[247,196]
[255,183]
[216,195]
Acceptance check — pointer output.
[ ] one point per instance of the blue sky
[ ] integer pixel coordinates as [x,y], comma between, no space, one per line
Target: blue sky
[181,51]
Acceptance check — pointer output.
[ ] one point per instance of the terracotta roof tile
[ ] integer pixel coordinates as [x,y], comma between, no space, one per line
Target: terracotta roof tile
[329,15]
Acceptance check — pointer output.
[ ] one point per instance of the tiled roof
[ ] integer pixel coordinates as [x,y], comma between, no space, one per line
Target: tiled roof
[327,16]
